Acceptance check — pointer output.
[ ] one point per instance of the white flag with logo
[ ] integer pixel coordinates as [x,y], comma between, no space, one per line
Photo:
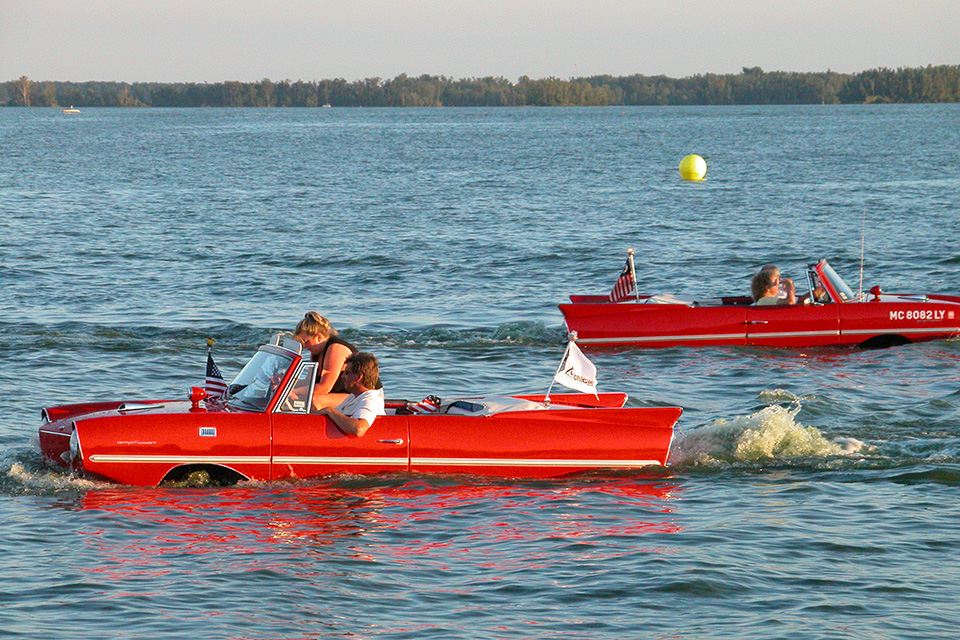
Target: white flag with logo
[576,372]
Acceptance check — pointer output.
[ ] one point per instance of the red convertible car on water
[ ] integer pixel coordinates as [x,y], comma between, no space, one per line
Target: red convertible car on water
[263,432]
[830,314]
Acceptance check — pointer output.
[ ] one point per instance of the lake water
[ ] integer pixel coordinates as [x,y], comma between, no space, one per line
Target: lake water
[811,493]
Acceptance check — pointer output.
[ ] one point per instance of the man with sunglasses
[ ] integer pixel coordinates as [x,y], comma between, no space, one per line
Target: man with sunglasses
[361,377]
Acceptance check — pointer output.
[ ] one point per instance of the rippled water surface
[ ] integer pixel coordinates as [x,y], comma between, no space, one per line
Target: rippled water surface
[810,494]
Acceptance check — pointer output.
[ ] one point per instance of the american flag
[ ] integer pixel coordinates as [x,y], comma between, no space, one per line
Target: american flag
[623,288]
[430,404]
[215,387]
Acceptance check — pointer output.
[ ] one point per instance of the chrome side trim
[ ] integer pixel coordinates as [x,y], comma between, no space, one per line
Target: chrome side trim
[718,336]
[400,462]
[136,406]
[100,457]
[530,462]
[397,462]
[764,335]
[54,433]
[791,334]
[953,330]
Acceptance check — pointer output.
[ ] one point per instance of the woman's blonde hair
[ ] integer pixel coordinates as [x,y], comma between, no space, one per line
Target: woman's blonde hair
[314,324]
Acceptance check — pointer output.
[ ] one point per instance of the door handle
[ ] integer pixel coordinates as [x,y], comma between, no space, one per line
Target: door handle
[397,441]
[756,322]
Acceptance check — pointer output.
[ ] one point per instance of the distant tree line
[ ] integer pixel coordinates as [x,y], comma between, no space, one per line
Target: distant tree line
[752,86]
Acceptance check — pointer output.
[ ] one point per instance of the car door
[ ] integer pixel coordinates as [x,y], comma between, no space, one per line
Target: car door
[793,325]
[656,325]
[306,444]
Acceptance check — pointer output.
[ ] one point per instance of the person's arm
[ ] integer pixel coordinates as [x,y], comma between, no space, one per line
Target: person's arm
[333,360]
[363,412]
[788,288]
[350,426]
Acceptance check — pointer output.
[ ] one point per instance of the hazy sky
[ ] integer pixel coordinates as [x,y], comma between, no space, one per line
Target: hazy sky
[247,40]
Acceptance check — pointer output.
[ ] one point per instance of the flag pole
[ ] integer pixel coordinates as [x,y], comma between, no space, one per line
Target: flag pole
[633,274]
[213,382]
[571,337]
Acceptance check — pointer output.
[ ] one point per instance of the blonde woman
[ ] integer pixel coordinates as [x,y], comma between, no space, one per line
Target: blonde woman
[331,352]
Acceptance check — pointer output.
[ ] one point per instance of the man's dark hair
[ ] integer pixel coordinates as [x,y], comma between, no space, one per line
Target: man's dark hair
[366,364]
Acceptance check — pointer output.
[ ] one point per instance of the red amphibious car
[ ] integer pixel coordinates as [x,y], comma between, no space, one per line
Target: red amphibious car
[831,314]
[261,432]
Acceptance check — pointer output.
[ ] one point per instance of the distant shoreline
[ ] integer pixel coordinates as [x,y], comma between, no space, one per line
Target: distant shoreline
[753,86]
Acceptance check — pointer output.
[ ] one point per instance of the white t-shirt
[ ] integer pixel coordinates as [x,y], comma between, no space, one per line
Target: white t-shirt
[366,406]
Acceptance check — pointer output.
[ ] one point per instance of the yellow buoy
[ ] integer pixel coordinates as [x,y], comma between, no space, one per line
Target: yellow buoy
[693,167]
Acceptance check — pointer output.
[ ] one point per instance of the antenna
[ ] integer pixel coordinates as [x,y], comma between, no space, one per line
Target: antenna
[863,242]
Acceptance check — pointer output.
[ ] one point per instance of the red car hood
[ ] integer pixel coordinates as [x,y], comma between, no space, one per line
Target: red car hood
[99,409]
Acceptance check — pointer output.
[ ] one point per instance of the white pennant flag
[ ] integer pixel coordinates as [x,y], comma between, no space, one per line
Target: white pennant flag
[577,372]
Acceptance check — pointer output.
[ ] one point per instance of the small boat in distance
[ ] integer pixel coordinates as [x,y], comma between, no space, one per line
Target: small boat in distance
[70,110]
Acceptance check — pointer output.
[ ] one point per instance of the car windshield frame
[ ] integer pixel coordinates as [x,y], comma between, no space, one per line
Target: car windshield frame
[843,290]
[297,397]
[257,383]
[814,281]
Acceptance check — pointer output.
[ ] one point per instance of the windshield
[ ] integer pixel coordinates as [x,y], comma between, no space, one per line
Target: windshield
[256,385]
[843,290]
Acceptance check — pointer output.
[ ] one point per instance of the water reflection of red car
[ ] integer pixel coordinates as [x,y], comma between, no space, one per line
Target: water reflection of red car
[265,431]
[832,314]
[260,523]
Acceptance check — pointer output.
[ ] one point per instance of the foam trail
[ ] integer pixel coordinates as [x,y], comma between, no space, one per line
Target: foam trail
[768,435]
[47,480]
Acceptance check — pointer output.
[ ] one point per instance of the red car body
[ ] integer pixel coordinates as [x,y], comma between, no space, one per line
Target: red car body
[831,315]
[263,432]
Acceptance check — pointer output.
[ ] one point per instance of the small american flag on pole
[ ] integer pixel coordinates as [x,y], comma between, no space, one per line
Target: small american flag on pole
[623,288]
[214,385]
[430,404]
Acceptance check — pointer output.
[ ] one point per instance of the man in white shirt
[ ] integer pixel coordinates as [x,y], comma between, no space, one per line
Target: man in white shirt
[361,377]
